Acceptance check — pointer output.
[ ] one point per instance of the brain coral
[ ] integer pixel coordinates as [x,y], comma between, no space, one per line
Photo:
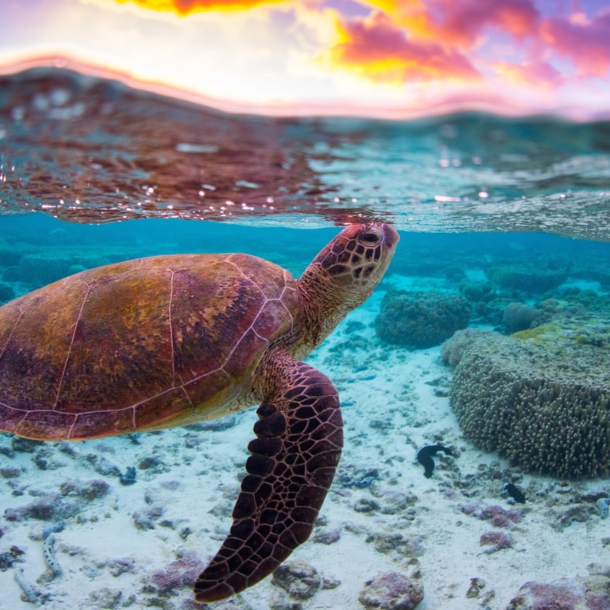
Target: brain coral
[544,406]
[421,319]
[518,316]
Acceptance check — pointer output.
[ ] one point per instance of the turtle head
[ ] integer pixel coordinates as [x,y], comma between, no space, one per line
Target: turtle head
[357,258]
[346,271]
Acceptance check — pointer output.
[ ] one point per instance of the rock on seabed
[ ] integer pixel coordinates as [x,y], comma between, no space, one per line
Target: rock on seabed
[392,591]
[591,593]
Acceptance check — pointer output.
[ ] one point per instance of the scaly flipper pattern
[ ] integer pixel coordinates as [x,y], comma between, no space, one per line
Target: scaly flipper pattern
[292,466]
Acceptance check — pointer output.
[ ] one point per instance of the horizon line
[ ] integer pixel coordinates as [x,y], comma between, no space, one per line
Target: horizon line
[493,104]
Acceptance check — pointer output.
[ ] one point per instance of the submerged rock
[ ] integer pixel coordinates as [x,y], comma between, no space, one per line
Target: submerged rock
[327,536]
[10,557]
[299,579]
[421,319]
[392,591]
[180,573]
[50,507]
[91,490]
[500,517]
[496,541]
[104,599]
[578,593]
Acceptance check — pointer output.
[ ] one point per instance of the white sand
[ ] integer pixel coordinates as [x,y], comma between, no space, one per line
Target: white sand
[386,420]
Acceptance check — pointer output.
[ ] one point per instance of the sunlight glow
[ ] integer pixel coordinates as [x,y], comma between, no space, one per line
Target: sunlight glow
[394,58]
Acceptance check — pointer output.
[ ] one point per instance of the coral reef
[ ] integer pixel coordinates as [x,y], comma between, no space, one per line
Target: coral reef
[475,291]
[517,316]
[491,310]
[392,591]
[421,319]
[543,406]
[453,349]
[527,277]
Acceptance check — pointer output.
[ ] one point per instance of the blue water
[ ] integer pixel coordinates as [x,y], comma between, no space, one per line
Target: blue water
[111,174]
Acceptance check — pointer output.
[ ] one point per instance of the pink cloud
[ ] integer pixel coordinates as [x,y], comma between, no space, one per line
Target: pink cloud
[586,43]
[463,22]
[536,74]
[379,50]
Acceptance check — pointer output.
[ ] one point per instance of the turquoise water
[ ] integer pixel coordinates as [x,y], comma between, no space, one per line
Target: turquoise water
[491,212]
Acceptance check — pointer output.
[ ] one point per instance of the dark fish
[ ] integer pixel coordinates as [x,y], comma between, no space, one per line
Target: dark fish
[425,454]
[516,494]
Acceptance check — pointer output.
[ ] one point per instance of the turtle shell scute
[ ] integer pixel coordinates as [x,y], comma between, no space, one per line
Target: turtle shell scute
[139,344]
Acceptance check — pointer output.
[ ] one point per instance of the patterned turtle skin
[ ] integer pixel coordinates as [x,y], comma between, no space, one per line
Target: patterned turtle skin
[166,341]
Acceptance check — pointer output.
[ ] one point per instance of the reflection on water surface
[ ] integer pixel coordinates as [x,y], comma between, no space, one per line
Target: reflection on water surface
[92,150]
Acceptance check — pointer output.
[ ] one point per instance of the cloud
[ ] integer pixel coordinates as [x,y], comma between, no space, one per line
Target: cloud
[381,52]
[586,43]
[530,74]
[186,7]
[461,22]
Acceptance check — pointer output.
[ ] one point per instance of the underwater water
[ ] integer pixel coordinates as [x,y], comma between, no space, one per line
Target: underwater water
[504,232]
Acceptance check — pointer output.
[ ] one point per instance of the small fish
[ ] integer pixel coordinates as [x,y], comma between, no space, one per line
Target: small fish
[516,494]
[425,454]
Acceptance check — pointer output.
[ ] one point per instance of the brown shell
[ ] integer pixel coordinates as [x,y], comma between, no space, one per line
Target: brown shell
[143,344]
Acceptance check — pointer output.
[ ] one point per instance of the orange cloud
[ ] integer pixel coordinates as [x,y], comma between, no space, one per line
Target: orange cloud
[586,43]
[536,74]
[186,7]
[376,49]
[461,22]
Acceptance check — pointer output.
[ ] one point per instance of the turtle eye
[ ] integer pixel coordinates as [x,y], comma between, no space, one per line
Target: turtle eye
[370,237]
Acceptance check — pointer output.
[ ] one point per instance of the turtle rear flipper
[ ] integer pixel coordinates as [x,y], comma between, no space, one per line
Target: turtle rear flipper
[294,459]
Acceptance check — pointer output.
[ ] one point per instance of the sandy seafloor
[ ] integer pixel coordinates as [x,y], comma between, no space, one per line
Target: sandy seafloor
[415,525]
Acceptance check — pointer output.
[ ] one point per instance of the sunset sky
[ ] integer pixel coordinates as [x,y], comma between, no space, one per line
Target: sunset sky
[394,58]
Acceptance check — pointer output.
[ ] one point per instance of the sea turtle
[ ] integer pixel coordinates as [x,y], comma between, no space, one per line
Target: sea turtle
[171,340]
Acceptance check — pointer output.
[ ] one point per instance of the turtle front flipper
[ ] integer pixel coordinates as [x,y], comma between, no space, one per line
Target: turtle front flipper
[294,459]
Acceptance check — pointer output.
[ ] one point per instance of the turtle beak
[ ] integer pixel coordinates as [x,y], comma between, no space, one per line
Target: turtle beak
[390,236]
